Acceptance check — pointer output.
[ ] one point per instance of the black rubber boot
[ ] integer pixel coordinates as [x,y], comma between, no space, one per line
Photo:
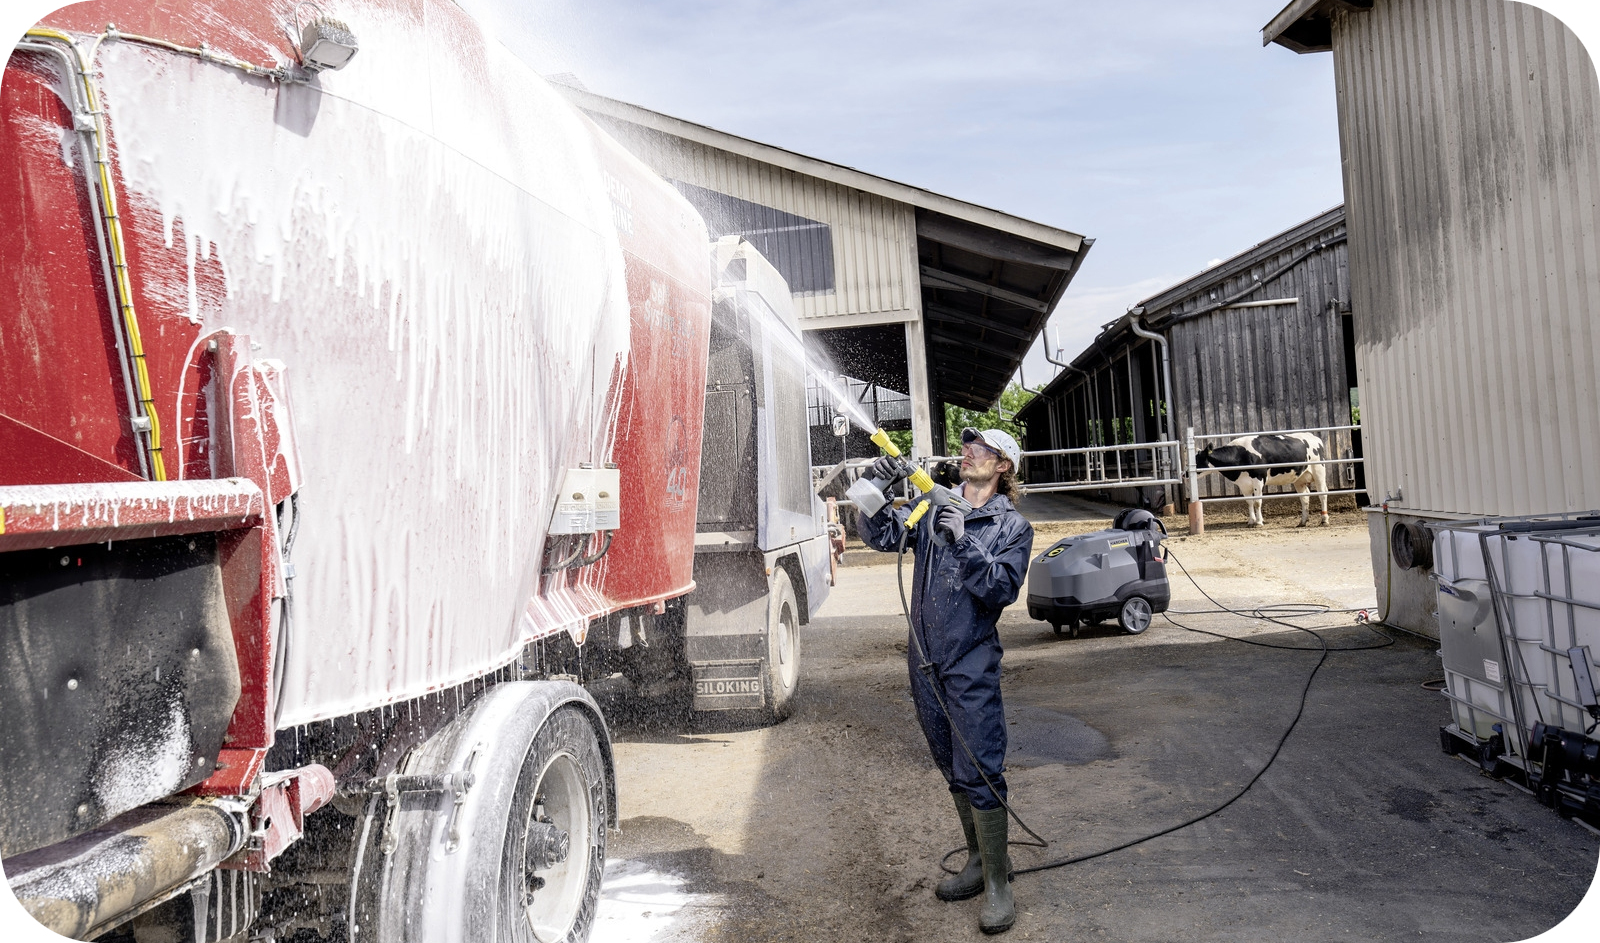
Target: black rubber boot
[999,910]
[968,882]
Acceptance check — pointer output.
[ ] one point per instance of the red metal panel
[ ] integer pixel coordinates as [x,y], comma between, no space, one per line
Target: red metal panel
[662,389]
[34,458]
[277,819]
[60,373]
[235,773]
[249,568]
[658,440]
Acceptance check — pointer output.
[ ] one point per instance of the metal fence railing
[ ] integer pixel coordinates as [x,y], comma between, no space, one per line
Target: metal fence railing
[1134,465]
[1142,464]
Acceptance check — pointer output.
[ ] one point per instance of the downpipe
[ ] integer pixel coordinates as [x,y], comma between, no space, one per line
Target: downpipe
[86,885]
[1136,324]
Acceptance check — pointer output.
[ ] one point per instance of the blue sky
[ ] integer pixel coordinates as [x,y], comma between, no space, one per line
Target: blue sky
[1162,129]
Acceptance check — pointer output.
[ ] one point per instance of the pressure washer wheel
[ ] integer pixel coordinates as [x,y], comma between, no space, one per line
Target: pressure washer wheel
[1134,617]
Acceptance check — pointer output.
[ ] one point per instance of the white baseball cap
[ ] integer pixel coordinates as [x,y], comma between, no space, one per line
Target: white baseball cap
[997,439]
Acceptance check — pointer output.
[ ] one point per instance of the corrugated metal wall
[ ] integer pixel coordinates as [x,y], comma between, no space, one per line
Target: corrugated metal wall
[874,239]
[1472,171]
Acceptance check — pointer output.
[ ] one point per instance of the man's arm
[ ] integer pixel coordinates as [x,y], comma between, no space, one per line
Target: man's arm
[882,530]
[995,578]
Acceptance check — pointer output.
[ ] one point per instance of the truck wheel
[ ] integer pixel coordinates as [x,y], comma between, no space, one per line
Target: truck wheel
[783,646]
[1135,615]
[555,847]
[516,857]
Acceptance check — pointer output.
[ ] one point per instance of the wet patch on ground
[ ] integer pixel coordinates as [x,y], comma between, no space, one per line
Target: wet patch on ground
[1039,736]
[1411,804]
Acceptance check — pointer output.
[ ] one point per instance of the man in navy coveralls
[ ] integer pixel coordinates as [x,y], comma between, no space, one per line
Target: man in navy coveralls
[961,583]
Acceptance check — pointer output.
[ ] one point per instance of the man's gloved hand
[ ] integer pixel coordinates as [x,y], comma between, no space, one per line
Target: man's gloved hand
[888,470]
[951,522]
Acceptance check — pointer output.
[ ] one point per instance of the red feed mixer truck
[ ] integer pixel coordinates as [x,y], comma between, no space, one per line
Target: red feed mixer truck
[360,403]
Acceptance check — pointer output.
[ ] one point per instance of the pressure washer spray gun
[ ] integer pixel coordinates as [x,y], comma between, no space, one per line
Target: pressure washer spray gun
[871,494]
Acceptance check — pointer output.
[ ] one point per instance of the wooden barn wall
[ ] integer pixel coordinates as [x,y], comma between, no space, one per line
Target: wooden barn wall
[1472,175]
[1235,370]
[1242,370]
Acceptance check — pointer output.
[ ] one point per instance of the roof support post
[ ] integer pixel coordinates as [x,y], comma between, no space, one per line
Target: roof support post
[921,399]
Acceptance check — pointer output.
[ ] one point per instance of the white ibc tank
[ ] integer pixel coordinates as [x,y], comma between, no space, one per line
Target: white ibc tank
[1476,681]
[1511,603]
[1573,564]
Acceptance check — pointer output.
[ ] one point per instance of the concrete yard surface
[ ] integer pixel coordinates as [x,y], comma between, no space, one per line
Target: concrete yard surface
[831,825]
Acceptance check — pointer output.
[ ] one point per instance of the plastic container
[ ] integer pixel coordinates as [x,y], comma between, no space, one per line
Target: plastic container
[1514,597]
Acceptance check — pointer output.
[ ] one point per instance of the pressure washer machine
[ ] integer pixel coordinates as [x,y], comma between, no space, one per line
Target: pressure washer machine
[1119,572]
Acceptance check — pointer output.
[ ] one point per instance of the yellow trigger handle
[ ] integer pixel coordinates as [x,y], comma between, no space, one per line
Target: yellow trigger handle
[919,478]
[922,481]
[916,515]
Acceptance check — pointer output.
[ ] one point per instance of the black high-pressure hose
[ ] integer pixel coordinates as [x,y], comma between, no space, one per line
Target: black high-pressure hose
[929,670]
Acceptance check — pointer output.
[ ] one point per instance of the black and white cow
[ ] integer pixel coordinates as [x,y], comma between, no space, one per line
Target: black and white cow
[1288,458]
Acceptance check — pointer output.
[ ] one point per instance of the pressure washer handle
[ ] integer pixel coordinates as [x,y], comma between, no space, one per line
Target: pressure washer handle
[916,515]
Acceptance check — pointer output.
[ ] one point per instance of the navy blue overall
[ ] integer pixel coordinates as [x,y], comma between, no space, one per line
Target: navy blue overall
[958,593]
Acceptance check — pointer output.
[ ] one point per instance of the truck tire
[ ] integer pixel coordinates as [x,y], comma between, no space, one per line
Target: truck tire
[519,858]
[783,646]
[562,788]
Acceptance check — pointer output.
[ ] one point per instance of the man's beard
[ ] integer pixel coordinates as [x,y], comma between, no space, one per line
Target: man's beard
[974,475]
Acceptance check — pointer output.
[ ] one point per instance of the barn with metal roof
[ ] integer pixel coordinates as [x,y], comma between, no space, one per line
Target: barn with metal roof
[1258,342]
[924,299]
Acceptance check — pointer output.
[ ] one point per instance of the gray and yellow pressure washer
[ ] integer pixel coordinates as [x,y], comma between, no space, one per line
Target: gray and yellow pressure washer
[1089,578]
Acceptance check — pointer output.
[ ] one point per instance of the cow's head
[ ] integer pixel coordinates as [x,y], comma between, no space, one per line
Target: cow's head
[1223,456]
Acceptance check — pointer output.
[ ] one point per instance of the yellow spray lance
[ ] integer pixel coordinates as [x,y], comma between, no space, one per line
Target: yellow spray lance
[870,494]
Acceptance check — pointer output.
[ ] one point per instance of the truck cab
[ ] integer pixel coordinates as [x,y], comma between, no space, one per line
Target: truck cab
[761,541]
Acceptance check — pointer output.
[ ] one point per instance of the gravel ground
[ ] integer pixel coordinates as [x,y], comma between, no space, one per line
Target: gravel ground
[831,825]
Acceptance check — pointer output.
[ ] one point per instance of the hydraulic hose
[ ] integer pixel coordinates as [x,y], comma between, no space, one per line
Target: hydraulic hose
[122,288]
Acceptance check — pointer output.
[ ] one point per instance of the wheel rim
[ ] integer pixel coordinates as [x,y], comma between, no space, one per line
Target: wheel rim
[556,890]
[1136,615]
[788,665]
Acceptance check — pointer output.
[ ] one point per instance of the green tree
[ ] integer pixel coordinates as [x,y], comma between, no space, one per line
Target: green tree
[955,418]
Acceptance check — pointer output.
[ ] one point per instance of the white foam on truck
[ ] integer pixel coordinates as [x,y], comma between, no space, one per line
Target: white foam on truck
[431,252]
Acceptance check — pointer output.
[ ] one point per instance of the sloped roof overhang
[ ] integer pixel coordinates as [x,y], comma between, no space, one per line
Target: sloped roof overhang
[989,279]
